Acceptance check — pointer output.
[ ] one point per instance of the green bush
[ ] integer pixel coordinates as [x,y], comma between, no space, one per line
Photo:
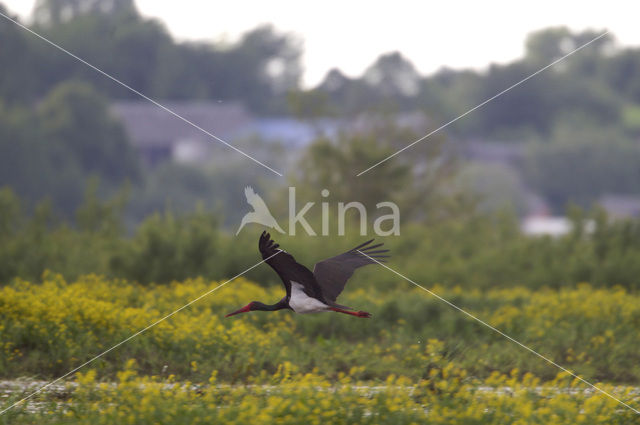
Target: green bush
[479,251]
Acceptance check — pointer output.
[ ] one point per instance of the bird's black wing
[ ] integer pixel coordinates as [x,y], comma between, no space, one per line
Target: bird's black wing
[332,274]
[288,268]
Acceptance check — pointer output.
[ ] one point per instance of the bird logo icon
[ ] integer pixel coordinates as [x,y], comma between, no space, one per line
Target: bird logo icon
[260,213]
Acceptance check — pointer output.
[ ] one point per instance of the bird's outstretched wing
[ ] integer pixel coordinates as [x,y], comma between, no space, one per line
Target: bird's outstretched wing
[255,200]
[288,268]
[332,274]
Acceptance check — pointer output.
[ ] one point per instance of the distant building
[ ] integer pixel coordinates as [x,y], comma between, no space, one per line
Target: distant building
[370,123]
[291,132]
[621,206]
[509,153]
[158,135]
[552,226]
[546,225]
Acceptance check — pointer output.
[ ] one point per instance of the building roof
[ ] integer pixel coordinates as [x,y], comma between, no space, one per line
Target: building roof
[621,206]
[151,126]
[492,151]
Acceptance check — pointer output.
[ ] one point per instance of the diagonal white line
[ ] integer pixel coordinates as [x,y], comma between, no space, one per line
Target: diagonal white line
[485,102]
[134,335]
[139,94]
[501,333]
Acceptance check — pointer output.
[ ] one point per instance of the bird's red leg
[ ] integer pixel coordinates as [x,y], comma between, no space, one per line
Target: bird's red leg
[362,314]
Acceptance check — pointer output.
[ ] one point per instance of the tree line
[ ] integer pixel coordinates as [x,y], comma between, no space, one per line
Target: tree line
[578,121]
[471,250]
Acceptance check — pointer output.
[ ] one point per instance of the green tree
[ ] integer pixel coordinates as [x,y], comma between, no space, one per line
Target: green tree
[166,248]
[580,166]
[19,59]
[261,69]
[420,183]
[621,72]
[124,45]
[77,125]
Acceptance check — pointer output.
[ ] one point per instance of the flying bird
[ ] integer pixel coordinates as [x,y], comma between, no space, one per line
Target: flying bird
[317,291]
[260,213]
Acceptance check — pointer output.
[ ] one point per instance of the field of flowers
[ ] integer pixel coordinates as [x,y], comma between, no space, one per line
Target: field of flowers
[416,360]
[447,396]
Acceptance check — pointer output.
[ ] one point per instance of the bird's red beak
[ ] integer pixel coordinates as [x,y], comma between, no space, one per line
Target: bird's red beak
[244,309]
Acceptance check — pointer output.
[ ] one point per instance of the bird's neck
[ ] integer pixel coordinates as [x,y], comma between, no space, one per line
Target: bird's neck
[273,307]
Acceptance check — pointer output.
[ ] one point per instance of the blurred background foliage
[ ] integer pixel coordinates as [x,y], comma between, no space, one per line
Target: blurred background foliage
[578,123]
[77,197]
[471,250]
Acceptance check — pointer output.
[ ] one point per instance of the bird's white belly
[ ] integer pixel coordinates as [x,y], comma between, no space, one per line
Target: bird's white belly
[302,303]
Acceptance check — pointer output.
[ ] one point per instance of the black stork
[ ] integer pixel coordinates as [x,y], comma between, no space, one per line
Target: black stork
[317,291]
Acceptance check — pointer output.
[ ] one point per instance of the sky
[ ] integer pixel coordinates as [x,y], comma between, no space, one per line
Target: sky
[350,35]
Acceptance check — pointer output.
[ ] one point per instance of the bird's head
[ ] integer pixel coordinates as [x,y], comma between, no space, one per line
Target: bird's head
[253,305]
